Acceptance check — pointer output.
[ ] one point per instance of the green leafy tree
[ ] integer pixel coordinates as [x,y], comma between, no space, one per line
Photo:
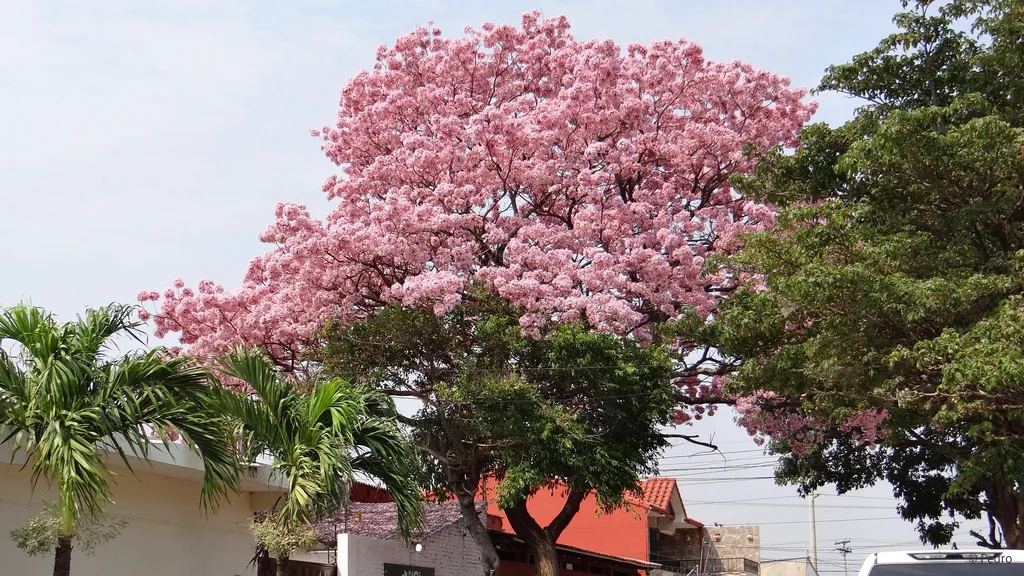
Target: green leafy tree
[66,400]
[40,534]
[574,410]
[893,279]
[317,441]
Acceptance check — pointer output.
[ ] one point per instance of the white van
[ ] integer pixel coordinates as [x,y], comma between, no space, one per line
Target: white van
[975,562]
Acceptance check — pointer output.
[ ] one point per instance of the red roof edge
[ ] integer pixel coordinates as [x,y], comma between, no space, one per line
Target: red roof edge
[622,559]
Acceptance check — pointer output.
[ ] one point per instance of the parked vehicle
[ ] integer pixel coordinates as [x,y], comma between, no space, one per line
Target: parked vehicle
[975,562]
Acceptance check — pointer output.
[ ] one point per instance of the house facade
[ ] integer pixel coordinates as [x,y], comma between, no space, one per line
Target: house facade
[366,540]
[167,532]
[654,528]
[652,536]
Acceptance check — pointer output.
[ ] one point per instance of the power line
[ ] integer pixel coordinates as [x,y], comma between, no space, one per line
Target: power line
[719,454]
[732,479]
[724,467]
[778,523]
[790,497]
[824,506]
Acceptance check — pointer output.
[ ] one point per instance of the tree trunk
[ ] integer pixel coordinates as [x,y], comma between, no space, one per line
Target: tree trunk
[1005,515]
[62,557]
[466,496]
[282,566]
[541,541]
[547,558]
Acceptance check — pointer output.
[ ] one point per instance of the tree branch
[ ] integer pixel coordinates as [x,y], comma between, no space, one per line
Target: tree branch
[692,439]
[566,514]
[524,525]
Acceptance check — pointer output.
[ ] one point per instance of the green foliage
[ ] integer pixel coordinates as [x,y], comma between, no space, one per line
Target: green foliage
[318,440]
[65,399]
[575,407]
[894,276]
[39,535]
[280,536]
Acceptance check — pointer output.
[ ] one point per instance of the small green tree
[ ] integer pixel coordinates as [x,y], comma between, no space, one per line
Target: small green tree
[574,410]
[40,535]
[65,400]
[317,441]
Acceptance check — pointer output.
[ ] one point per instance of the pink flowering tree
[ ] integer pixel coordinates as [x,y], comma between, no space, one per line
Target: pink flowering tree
[576,180]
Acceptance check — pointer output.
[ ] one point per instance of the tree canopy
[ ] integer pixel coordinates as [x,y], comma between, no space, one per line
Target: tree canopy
[575,410]
[886,306]
[575,179]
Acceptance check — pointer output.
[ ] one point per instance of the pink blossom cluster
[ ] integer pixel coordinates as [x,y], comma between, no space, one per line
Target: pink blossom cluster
[576,179]
[800,431]
[704,394]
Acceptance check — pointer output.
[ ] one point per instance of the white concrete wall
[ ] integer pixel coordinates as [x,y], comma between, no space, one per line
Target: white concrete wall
[451,552]
[790,567]
[167,534]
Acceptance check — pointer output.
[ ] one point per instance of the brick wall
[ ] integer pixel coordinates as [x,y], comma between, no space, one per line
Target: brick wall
[450,552]
[735,542]
[723,548]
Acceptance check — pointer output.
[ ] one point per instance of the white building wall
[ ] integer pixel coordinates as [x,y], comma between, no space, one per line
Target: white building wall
[167,534]
[788,567]
[451,552]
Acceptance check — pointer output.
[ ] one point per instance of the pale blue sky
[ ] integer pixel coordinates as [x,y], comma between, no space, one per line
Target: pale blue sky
[148,140]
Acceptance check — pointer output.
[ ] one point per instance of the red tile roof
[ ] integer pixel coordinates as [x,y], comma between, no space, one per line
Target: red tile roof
[658,494]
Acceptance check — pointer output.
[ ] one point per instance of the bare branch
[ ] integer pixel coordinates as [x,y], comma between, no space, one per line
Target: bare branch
[692,439]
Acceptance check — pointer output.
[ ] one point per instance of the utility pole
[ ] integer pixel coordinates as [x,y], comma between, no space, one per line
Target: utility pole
[842,548]
[814,532]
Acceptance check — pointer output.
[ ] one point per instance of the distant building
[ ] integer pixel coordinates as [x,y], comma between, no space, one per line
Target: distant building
[363,539]
[652,536]
[655,529]
[788,567]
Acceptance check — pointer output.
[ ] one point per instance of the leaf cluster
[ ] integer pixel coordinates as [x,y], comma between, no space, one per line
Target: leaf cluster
[39,535]
[893,278]
[318,440]
[279,536]
[574,407]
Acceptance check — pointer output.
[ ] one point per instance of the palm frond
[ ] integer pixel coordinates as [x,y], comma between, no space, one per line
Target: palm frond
[319,440]
[387,455]
[253,368]
[32,328]
[94,331]
[64,402]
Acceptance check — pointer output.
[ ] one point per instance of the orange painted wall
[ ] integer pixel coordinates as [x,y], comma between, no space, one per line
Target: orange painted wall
[619,533]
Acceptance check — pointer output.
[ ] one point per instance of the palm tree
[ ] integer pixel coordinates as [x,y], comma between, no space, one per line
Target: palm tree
[317,441]
[66,400]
